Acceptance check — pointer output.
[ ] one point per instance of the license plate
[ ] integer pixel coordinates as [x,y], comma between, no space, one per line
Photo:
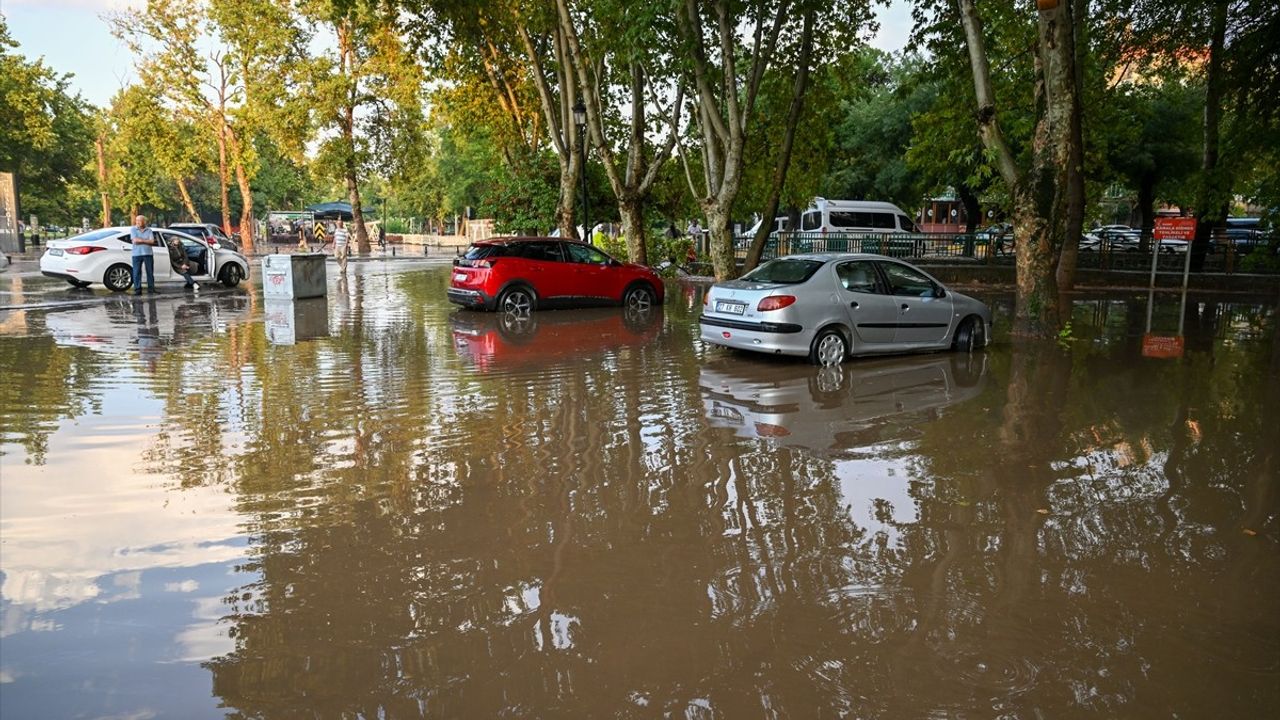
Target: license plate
[731,308]
[55,251]
[460,277]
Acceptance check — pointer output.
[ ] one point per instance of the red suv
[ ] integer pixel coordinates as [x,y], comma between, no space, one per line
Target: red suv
[519,275]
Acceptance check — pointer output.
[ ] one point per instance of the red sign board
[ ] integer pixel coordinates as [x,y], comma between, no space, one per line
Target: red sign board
[1162,346]
[1175,228]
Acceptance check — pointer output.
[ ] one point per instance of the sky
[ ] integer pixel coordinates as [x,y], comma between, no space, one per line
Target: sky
[73,38]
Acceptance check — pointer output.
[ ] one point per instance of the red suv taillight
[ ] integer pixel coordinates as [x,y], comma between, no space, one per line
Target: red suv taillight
[84,250]
[777,302]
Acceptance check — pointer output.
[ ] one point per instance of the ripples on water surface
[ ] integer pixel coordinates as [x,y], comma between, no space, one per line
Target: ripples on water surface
[412,511]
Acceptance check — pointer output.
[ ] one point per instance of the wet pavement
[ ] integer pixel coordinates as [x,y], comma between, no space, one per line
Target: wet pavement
[373,505]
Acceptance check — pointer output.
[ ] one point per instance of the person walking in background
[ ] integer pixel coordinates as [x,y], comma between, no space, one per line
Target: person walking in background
[382,236]
[341,242]
[143,240]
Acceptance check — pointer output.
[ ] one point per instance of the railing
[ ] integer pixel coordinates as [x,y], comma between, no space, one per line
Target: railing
[1225,255]
[923,246]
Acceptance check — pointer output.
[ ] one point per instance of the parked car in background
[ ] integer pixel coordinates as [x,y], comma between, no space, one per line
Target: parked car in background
[779,224]
[855,216]
[103,256]
[520,275]
[1245,232]
[1118,238]
[210,233]
[829,306]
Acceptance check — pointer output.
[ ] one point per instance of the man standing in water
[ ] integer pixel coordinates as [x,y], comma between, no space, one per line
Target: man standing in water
[143,240]
[340,245]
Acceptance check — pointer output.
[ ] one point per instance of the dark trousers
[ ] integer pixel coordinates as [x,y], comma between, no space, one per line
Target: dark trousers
[140,262]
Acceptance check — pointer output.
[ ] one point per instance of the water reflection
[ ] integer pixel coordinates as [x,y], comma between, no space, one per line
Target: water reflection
[834,408]
[493,339]
[424,513]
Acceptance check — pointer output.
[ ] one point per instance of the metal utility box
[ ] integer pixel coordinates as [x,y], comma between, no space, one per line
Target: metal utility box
[294,276]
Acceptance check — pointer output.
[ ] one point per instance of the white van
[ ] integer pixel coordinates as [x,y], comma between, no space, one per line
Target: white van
[855,216]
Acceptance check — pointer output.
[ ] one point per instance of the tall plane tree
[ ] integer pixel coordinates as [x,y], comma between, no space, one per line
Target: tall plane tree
[727,48]
[361,87]
[1041,191]
[614,47]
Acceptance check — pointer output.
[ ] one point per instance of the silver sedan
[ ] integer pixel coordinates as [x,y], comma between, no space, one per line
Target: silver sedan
[830,306]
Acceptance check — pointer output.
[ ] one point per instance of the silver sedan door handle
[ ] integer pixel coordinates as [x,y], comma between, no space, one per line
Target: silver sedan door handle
[905,307]
[854,304]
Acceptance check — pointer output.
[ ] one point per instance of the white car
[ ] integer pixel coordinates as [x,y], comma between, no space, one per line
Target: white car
[104,256]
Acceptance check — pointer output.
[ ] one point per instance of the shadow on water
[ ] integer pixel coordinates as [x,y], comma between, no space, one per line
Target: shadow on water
[426,512]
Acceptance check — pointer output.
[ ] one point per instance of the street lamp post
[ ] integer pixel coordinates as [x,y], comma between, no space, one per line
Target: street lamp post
[580,120]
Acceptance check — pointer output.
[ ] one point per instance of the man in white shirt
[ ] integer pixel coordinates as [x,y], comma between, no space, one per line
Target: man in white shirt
[143,240]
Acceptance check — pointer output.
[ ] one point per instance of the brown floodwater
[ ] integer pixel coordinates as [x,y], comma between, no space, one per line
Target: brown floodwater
[377,506]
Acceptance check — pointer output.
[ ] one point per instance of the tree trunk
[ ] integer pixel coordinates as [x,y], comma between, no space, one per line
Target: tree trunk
[720,236]
[632,212]
[788,139]
[1041,196]
[100,144]
[1075,165]
[1211,198]
[187,204]
[224,172]
[246,209]
[246,192]
[1147,209]
[568,195]
[972,208]
[1036,257]
[357,212]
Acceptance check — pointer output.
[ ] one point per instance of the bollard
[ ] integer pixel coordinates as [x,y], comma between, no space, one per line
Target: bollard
[424,250]
[393,251]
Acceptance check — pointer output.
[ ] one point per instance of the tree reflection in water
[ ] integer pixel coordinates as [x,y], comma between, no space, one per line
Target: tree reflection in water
[648,527]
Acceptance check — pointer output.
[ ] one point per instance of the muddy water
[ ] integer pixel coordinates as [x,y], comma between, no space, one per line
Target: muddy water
[376,506]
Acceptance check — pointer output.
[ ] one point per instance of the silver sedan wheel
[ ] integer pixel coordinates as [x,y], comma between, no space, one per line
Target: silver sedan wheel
[830,349]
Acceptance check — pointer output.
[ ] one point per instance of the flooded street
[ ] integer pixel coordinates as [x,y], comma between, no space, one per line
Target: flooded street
[376,505]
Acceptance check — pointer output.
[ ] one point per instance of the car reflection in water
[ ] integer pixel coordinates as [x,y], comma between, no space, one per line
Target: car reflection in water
[838,407]
[121,326]
[490,340]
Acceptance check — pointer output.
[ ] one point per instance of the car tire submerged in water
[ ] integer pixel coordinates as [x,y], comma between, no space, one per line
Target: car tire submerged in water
[118,278]
[639,297]
[517,301]
[230,275]
[970,335]
[829,348]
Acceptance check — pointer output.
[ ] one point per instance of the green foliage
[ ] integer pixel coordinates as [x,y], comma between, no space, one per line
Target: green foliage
[1264,258]
[137,136]
[46,132]
[880,96]
[1066,335]
[523,198]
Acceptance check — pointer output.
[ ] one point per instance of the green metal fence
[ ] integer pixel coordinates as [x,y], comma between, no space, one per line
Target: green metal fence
[903,245]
